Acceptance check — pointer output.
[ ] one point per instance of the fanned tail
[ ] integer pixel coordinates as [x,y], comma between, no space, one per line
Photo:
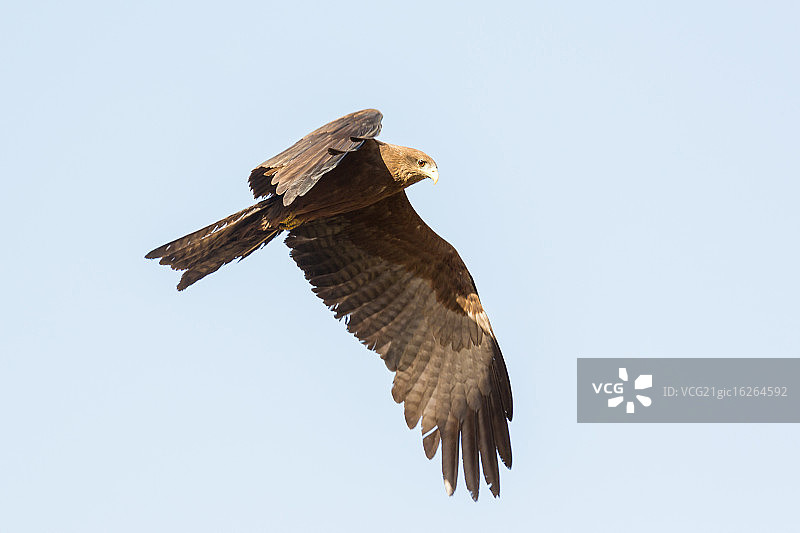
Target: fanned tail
[204,251]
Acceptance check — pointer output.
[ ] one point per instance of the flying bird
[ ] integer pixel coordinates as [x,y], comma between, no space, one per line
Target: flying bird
[403,291]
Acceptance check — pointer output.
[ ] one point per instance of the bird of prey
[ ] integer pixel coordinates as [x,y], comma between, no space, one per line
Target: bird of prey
[403,290]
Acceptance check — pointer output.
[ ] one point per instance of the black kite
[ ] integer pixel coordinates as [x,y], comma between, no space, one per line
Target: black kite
[403,290]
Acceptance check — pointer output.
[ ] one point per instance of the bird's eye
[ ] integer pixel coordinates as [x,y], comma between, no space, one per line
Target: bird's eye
[422,163]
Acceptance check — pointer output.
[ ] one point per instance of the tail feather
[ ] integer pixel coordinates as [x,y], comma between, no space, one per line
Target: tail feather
[204,251]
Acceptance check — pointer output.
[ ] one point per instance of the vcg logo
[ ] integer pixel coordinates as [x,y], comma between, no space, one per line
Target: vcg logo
[644,381]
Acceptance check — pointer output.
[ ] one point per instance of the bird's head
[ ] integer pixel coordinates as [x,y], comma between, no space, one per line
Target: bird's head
[409,165]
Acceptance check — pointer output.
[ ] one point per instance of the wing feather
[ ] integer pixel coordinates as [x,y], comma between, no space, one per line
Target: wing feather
[450,454]
[430,443]
[294,171]
[487,447]
[469,454]
[406,294]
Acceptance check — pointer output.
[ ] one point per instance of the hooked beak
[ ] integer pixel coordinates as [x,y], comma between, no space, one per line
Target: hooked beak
[434,175]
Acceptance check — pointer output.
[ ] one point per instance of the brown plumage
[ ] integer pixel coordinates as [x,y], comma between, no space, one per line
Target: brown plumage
[402,289]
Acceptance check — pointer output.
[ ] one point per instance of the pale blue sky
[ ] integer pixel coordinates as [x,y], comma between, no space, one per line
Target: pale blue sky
[621,179]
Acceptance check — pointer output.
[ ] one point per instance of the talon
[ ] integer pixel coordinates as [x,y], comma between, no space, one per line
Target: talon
[290,222]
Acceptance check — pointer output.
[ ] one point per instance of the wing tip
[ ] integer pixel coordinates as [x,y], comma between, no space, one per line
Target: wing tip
[507,459]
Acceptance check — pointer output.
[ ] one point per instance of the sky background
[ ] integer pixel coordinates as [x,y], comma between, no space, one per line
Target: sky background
[621,179]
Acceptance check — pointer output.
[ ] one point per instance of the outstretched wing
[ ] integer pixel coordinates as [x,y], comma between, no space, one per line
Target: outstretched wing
[294,171]
[407,295]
